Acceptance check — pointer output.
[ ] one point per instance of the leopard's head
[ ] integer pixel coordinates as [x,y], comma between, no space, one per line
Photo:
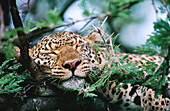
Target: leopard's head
[67,57]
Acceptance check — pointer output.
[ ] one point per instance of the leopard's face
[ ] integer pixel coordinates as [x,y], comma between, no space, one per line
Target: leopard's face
[66,56]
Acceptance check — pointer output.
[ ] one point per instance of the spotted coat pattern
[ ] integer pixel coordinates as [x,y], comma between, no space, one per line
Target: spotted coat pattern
[70,57]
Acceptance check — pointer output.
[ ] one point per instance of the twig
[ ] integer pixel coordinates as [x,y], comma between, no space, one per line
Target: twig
[111,44]
[166,6]
[110,37]
[39,31]
[88,22]
[104,21]
[101,32]
[95,28]
[154,6]
[25,59]
[127,6]
[158,67]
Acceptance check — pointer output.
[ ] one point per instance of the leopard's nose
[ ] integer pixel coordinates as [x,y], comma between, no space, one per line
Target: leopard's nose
[71,65]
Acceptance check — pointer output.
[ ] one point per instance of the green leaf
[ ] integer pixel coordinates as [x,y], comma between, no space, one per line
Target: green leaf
[9,82]
[90,95]
[5,62]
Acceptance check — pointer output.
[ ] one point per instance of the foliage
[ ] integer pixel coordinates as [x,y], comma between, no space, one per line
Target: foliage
[120,71]
[8,46]
[158,43]
[111,6]
[52,19]
[10,36]
[9,77]
[85,9]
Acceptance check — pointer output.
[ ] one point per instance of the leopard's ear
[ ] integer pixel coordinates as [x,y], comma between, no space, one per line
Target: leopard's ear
[18,51]
[18,54]
[94,37]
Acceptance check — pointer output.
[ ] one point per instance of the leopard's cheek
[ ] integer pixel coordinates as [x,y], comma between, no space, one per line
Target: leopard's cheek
[83,69]
[61,73]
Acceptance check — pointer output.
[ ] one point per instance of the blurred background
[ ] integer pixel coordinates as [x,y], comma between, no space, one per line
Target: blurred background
[134,26]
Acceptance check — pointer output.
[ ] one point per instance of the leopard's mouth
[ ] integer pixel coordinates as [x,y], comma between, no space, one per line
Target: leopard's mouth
[72,83]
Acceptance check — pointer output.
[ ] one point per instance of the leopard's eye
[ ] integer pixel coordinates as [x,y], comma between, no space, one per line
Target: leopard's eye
[79,48]
[53,54]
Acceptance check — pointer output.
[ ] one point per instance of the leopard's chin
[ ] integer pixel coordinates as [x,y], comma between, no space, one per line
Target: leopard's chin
[72,83]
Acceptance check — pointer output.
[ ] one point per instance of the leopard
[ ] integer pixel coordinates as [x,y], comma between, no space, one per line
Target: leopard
[70,57]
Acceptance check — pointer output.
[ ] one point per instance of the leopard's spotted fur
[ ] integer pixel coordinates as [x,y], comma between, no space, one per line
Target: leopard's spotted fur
[69,57]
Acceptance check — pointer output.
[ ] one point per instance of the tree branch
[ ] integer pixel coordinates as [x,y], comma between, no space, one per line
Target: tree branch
[156,11]
[2,25]
[127,5]
[39,31]
[25,59]
[166,6]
